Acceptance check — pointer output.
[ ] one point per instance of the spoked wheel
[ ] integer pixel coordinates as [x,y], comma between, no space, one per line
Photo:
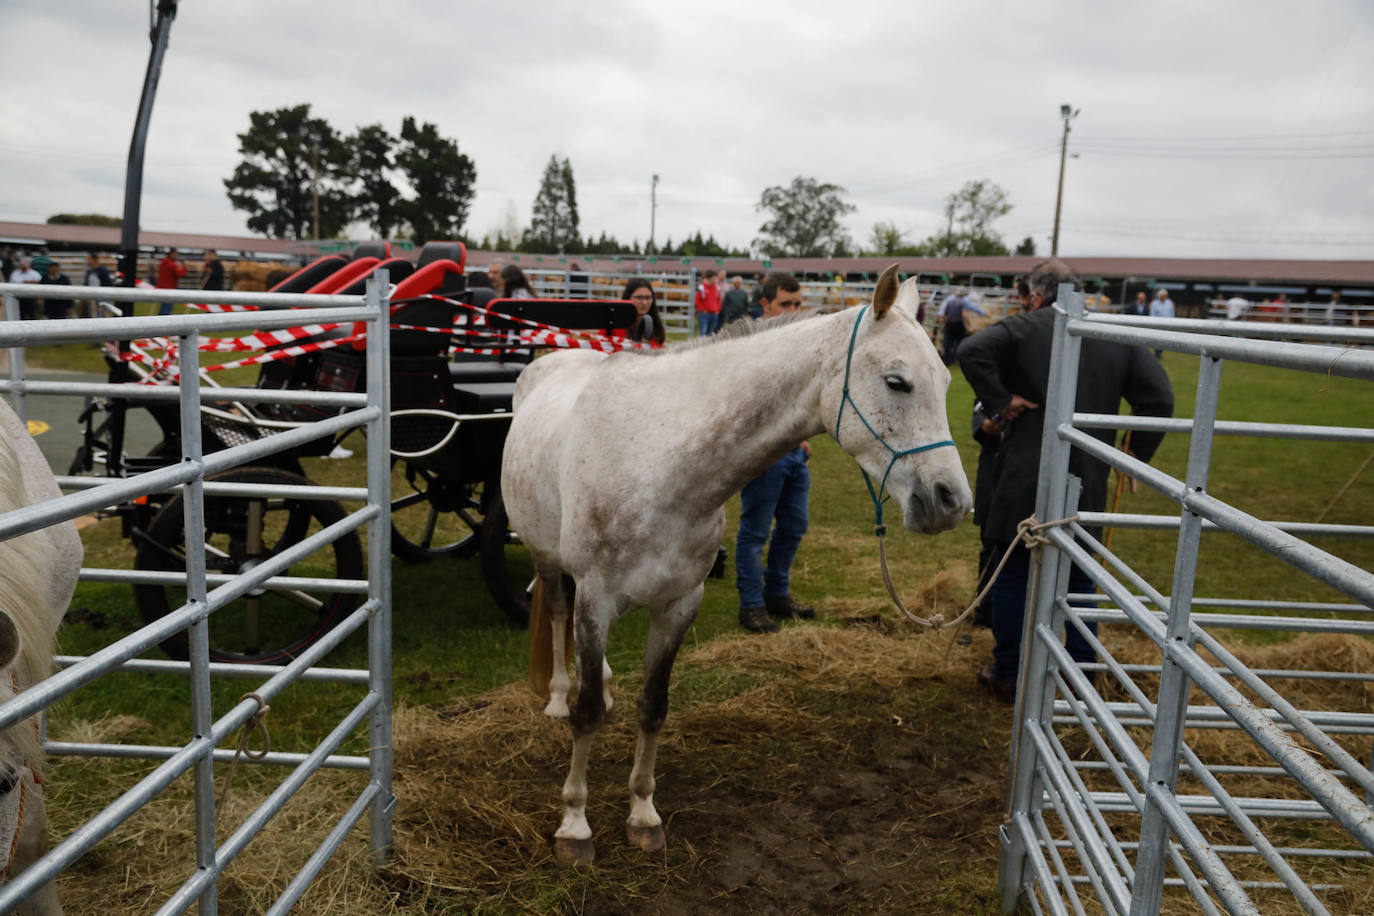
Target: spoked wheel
[506,564]
[432,517]
[265,626]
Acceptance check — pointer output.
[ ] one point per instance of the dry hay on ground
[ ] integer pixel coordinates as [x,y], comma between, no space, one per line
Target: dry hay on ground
[854,769]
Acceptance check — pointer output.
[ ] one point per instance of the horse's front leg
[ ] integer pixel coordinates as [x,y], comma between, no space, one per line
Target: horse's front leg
[556,597]
[644,828]
[592,616]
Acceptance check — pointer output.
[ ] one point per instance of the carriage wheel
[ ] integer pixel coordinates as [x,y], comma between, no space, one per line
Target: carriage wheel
[431,517]
[506,564]
[265,626]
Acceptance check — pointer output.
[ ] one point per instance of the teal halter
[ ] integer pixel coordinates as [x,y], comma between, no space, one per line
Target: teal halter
[875,495]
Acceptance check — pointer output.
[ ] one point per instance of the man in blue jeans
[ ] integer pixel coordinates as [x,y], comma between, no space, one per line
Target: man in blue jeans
[775,502]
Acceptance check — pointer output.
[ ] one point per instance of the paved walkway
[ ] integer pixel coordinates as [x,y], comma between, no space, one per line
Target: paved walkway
[54,421]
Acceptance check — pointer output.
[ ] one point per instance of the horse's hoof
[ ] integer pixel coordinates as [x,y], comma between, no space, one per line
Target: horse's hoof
[573,852]
[556,710]
[649,839]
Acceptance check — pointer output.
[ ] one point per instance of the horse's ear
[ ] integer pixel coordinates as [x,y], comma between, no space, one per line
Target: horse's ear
[886,293]
[909,298]
[10,642]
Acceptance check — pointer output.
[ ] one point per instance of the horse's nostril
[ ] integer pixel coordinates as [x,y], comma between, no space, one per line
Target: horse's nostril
[946,498]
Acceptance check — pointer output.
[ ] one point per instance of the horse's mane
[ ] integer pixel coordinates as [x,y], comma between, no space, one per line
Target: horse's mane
[743,327]
[26,562]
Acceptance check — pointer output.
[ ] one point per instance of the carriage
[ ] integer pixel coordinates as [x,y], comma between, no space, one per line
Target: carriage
[456,354]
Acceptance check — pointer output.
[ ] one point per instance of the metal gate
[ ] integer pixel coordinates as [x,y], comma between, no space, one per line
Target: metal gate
[209,592]
[1109,800]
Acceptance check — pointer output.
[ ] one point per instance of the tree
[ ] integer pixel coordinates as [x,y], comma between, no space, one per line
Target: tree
[1027,246]
[273,183]
[85,219]
[969,215]
[805,219]
[441,178]
[377,200]
[553,219]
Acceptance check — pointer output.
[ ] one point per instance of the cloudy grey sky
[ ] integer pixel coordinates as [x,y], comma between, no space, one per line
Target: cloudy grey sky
[1237,128]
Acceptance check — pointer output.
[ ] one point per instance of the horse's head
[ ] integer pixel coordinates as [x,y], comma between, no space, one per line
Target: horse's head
[892,418]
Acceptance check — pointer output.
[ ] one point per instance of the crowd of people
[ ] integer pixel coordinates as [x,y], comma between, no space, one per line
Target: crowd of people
[40,267]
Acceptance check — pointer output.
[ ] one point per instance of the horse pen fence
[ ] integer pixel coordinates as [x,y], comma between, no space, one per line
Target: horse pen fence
[208,592]
[1115,798]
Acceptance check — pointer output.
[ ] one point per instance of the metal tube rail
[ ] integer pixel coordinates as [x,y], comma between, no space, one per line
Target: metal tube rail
[1062,876]
[1236,328]
[1327,606]
[276,583]
[1334,797]
[1342,361]
[1225,427]
[117,490]
[1171,522]
[100,329]
[1339,574]
[315,864]
[1031,841]
[201,880]
[228,669]
[30,701]
[1214,871]
[221,488]
[133,391]
[1251,621]
[163,752]
[1088,843]
[262,300]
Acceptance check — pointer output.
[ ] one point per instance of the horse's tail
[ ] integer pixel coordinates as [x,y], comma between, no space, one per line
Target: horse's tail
[541,640]
[541,635]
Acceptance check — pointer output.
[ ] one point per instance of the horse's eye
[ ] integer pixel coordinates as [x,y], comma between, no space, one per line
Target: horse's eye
[897,383]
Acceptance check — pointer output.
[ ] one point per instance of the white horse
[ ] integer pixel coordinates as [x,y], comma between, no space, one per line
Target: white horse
[623,507]
[38,573]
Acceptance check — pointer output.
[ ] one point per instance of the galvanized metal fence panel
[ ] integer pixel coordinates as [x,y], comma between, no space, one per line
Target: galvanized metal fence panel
[208,592]
[1112,799]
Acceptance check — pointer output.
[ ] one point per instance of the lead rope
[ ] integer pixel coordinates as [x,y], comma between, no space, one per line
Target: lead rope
[255,721]
[879,529]
[1027,532]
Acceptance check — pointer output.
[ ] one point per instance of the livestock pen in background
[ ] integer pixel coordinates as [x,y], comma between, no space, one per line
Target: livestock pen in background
[208,592]
[1211,783]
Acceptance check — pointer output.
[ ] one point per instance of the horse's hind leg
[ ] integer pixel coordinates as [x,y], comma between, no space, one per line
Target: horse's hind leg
[555,592]
[644,828]
[592,618]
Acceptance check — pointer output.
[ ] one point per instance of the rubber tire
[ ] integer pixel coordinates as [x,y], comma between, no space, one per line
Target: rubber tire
[511,596]
[411,552]
[167,530]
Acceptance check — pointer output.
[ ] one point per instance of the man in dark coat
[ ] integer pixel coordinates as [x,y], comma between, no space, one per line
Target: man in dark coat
[1008,365]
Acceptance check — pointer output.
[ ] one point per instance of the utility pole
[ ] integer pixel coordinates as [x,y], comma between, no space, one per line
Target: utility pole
[653,212]
[315,187]
[1068,113]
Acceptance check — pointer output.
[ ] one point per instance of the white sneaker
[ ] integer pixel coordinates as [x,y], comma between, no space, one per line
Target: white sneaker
[339,452]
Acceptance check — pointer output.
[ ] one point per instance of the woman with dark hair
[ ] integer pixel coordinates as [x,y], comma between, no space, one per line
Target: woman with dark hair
[649,325]
[514,284]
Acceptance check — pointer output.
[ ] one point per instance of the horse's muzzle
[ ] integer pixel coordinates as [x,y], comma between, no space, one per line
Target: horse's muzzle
[937,504]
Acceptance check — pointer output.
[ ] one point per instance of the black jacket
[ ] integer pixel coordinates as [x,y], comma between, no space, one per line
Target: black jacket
[1013,357]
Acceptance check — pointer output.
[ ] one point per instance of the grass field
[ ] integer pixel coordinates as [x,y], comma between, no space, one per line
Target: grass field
[453,647]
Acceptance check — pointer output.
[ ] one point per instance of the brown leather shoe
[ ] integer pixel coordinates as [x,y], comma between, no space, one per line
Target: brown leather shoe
[787,607]
[1002,691]
[756,620]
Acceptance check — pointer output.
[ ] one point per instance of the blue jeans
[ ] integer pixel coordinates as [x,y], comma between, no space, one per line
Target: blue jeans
[165,308]
[1008,599]
[778,495]
[708,323]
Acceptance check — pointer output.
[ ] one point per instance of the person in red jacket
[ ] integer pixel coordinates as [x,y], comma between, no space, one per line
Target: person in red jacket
[170,270]
[708,304]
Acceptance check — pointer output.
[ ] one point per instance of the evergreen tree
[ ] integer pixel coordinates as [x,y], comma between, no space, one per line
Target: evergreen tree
[377,200]
[273,183]
[553,219]
[442,179]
